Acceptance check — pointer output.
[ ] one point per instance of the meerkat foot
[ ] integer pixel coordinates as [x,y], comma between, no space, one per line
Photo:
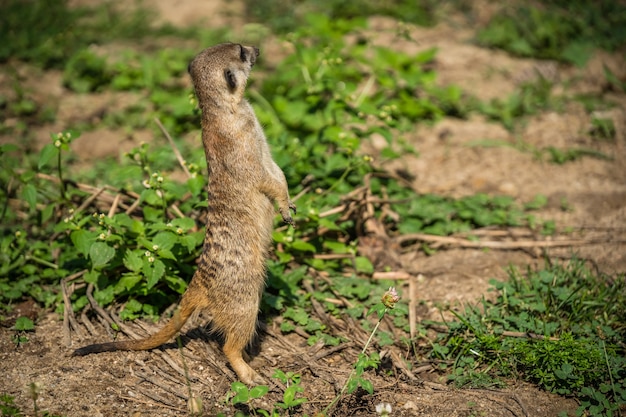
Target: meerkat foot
[286,213]
[244,372]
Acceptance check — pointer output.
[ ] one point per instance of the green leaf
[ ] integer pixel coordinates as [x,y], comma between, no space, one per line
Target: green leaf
[133,260]
[127,282]
[105,296]
[303,246]
[24,324]
[258,391]
[165,240]
[153,271]
[352,385]
[29,194]
[363,265]
[47,153]
[91,277]
[367,385]
[196,184]
[100,254]
[241,393]
[82,240]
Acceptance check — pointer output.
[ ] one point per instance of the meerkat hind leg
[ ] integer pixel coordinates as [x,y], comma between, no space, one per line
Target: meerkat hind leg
[234,351]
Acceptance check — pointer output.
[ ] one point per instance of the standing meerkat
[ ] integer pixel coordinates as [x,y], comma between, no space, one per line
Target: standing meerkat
[244,183]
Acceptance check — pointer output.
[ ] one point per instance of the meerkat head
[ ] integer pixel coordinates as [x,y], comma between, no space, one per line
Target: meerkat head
[220,73]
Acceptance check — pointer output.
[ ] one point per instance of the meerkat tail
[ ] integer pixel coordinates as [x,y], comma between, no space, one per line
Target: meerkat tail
[180,317]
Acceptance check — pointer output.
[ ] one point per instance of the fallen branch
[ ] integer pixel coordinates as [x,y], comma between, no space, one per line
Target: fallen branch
[490,244]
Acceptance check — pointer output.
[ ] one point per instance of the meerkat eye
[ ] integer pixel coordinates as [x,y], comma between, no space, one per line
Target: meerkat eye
[231,80]
[242,53]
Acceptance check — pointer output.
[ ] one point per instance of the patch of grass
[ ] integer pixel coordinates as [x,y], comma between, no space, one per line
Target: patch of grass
[47,32]
[565,31]
[561,327]
[292,15]
[530,98]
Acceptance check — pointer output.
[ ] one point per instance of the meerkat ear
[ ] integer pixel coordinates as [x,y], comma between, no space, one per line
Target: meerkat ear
[230,79]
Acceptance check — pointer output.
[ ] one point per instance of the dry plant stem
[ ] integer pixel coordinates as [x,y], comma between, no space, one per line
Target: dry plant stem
[113,208]
[345,385]
[182,358]
[69,321]
[464,243]
[181,161]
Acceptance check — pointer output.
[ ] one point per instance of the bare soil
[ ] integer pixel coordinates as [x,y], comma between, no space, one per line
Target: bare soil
[592,190]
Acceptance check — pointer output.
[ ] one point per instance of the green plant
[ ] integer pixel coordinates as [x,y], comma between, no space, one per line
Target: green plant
[48,32]
[388,302]
[559,327]
[8,407]
[240,394]
[567,31]
[290,395]
[284,17]
[529,99]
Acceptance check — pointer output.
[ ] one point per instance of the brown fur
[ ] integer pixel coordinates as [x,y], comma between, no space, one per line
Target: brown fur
[244,183]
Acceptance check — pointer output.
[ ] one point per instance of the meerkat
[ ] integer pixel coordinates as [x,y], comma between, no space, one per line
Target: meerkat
[244,183]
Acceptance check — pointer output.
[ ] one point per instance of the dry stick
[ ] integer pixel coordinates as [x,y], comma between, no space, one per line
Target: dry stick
[336,210]
[113,208]
[399,363]
[86,322]
[529,335]
[335,349]
[160,384]
[133,206]
[301,193]
[464,243]
[138,400]
[89,200]
[159,399]
[68,314]
[181,161]
[110,319]
[413,307]
[392,275]
[177,211]
[170,361]
[101,312]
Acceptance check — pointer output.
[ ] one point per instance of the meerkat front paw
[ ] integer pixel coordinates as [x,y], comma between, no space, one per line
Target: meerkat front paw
[286,213]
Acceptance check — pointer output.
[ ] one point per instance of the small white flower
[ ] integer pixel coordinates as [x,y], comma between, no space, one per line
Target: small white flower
[179,231]
[18,234]
[384,409]
[151,259]
[160,179]
[148,253]
[103,236]
[155,247]
[57,143]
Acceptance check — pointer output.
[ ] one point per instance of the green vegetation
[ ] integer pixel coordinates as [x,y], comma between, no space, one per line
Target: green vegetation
[561,327]
[567,31]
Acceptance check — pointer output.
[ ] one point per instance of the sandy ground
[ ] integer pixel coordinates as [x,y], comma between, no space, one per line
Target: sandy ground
[594,190]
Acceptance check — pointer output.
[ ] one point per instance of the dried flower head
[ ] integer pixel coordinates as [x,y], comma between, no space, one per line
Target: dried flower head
[390,298]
